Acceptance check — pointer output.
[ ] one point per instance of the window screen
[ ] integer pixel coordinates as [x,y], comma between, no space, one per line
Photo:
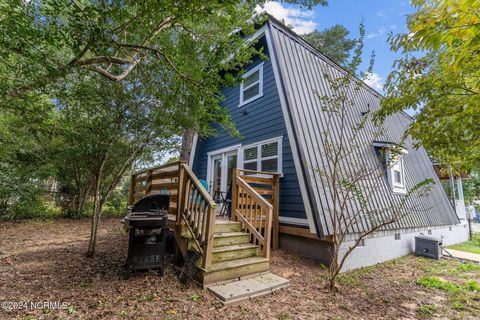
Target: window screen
[263,157]
[269,149]
[250,154]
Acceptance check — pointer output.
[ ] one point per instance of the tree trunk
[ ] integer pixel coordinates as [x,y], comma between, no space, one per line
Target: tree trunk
[97,209]
[82,199]
[187,142]
[334,267]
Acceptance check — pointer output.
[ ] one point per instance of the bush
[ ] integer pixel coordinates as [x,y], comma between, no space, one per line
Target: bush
[116,204]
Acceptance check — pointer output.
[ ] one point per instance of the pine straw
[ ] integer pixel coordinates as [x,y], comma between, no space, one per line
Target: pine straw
[45,261]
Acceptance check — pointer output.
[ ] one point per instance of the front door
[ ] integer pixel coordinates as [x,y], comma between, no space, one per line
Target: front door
[221,172]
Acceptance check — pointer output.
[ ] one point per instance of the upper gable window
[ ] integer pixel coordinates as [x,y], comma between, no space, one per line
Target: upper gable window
[252,85]
[392,155]
[396,173]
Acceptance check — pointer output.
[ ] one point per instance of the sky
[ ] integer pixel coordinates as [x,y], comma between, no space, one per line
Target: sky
[381,18]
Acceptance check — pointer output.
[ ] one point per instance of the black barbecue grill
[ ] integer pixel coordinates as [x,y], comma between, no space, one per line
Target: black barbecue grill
[147,234]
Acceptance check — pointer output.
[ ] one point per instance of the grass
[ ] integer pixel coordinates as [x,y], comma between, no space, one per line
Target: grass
[472,246]
[427,310]
[437,283]
[447,286]
[468,267]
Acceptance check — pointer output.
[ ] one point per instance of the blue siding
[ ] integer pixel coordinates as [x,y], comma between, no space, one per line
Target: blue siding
[263,120]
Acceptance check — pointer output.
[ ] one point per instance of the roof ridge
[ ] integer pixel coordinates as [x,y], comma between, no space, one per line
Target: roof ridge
[296,37]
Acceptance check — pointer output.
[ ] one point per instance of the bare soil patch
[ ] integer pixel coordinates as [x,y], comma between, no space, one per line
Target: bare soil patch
[45,261]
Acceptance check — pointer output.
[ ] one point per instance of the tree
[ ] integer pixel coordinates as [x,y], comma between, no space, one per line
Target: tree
[350,178]
[107,126]
[332,42]
[23,166]
[166,59]
[42,41]
[471,188]
[438,76]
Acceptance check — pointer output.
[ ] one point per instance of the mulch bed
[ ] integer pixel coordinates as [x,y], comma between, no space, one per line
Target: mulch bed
[45,261]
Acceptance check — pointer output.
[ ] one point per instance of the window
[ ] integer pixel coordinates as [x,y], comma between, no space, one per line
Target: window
[252,85]
[395,173]
[265,156]
[392,155]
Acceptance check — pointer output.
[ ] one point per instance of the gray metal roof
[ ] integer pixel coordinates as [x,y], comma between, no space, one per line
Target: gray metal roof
[301,69]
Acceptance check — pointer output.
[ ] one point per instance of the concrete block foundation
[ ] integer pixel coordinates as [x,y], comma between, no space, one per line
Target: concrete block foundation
[380,247]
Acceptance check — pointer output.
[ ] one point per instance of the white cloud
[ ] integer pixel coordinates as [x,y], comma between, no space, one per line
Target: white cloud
[374,80]
[382,15]
[380,32]
[300,19]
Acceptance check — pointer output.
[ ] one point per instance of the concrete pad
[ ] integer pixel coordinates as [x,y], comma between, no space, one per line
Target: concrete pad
[241,290]
[474,257]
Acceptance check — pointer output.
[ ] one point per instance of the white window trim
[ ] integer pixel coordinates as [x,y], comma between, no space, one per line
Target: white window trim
[258,68]
[259,159]
[399,188]
[212,154]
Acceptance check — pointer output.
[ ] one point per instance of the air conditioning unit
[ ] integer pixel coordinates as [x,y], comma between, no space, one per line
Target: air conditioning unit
[428,247]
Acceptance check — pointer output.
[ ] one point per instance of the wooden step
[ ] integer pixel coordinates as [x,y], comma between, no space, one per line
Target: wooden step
[220,226]
[230,238]
[236,251]
[227,226]
[233,269]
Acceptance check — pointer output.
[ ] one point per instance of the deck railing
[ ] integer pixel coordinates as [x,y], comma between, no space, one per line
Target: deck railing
[197,211]
[189,201]
[267,185]
[252,210]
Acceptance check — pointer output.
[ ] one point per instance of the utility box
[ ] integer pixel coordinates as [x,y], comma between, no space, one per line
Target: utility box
[428,247]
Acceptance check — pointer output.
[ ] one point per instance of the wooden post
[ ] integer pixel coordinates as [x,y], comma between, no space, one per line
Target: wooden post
[276,210]
[234,194]
[131,191]
[180,193]
[268,232]
[148,186]
[209,233]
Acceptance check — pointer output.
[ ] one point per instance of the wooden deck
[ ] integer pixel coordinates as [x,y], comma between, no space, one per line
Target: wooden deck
[229,249]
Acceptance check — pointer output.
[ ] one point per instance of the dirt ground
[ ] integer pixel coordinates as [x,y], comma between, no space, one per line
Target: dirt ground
[45,262]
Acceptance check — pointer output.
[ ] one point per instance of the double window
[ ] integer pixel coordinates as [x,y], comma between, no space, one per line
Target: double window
[252,86]
[265,156]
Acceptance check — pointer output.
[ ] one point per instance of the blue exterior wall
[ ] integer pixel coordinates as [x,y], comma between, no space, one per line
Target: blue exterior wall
[263,119]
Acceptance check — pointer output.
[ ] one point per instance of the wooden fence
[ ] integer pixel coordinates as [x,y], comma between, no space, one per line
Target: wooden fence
[161,179]
[189,201]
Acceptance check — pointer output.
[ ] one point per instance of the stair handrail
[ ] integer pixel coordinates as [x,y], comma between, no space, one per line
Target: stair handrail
[246,211]
[197,212]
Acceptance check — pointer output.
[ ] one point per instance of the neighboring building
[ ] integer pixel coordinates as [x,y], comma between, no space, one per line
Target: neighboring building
[278,116]
[473,213]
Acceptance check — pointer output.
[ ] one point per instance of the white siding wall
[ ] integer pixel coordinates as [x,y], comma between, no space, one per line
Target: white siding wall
[384,247]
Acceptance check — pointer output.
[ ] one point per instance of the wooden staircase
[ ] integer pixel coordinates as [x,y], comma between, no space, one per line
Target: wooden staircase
[233,255]
[229,249]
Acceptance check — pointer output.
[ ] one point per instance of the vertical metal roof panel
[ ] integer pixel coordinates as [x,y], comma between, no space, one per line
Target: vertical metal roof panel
[302,71]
